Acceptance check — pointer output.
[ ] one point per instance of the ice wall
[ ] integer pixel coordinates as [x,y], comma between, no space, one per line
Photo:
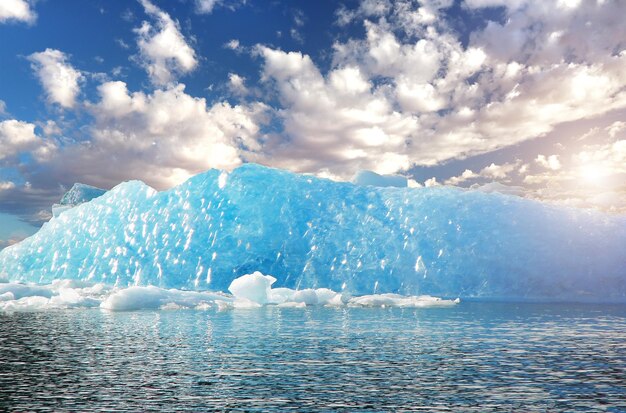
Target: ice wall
[315,233]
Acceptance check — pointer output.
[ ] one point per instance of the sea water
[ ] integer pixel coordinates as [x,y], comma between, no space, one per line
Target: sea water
[471,357]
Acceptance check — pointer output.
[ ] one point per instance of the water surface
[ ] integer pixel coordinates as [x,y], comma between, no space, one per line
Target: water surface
[475,357]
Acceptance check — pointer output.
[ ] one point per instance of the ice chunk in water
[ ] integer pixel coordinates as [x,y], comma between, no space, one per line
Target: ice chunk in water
[254,287]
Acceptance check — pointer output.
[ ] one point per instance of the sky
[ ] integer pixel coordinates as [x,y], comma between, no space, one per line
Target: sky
[525,97]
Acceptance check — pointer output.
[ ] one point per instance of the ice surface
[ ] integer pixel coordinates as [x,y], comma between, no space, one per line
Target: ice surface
[60,294]
[151,297]
[314,233]
[78,194]
[251,290]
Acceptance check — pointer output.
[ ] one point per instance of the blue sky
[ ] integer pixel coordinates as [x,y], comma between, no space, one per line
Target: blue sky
[521,96]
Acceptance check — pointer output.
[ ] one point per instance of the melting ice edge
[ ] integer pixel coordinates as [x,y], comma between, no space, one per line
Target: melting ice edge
[315,237]
[247,291]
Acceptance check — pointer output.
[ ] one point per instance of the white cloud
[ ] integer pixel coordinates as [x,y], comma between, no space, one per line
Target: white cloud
[616,128]
[492,171]
[3,107]
[466,175]
[333,122]
[162,137]
[209,6]
[17,137]
[163,50]
[610,157]
[498,171]
[549,162]
[366,8]
[546,32]
[390,101]
[234,45]
[409,92]
[237,85]
[16,10]
[5,185]
[59,79]
[431,182]
[51,128]
[206,6]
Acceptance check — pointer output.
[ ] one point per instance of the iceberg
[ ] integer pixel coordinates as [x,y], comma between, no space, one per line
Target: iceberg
[78,194]
[313,233]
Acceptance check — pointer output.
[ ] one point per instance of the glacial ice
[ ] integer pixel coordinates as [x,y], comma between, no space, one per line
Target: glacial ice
[312,233]
[78,194]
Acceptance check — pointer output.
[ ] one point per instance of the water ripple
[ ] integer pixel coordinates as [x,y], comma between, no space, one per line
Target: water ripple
[471,358]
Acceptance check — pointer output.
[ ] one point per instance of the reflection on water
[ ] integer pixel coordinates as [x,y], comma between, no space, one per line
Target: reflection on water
[476,357]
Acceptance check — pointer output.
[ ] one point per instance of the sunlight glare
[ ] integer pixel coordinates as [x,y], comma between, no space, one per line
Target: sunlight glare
[593,173]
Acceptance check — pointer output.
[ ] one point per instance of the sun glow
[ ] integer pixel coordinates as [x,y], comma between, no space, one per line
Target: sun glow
[593,173]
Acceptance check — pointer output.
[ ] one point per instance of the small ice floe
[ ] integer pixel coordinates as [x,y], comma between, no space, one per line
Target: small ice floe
[248,291]
[58,295]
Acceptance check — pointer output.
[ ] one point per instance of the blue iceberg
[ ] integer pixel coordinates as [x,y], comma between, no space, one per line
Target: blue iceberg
[315,233]
[78,194]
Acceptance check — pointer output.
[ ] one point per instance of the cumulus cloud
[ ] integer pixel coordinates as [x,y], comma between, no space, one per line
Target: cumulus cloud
[431,182]
[163,50]
[16,10]
[466,175]
[17,137]
[490,172]
[412,93]
[365,9]
[335,122]
[59,79]
[498,171]
[544,33]
[237,85]
[161,137]
[549,162]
